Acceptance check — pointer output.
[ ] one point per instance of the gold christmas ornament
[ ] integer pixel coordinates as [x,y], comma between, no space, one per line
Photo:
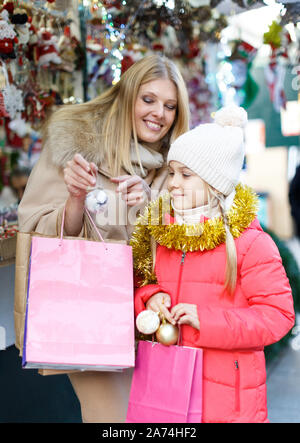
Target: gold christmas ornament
[167,334]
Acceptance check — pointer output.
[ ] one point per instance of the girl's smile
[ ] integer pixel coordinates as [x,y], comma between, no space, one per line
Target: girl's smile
[187,189]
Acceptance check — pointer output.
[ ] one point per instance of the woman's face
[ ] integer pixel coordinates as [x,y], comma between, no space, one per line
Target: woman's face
[155,109]
[187,189]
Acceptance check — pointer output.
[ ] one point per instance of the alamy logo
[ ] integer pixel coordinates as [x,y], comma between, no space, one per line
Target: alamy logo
[2,338]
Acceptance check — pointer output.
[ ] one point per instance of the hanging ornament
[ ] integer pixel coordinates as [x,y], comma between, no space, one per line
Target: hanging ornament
[147,322]
[19,16]
[96,201]
[8,37]
[8,6]
[279,40]
[47,48]
[167,334]
[13,99]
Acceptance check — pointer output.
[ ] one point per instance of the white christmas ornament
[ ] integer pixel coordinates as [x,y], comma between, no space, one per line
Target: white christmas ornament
[147,322]
[96,201]
[19,126]
[13,100]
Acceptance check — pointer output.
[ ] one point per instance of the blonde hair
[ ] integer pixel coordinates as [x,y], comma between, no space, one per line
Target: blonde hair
[231,256]
[115,109]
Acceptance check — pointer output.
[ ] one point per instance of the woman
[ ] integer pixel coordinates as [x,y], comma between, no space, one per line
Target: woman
[119,139]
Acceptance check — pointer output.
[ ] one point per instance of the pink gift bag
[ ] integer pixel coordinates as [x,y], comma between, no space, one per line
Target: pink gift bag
[166,385]
[80,311]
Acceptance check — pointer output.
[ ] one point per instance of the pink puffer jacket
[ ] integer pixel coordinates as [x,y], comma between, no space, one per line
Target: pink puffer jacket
[233,330]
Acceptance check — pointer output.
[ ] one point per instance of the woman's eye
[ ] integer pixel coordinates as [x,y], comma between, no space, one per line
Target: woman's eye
[147,100]
[171,107]
[186,175]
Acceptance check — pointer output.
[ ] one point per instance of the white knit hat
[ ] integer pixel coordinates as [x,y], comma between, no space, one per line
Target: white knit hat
[214,151]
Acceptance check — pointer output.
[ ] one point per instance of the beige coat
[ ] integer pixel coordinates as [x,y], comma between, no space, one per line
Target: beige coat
[42,204]
[103,396]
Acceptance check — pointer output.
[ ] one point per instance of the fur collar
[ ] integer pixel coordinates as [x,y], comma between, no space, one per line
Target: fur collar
[67,138]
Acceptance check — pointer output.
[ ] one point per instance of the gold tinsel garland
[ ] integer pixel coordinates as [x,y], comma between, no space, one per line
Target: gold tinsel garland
[200,236]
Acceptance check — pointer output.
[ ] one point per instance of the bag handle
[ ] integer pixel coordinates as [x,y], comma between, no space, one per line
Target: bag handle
[91,220]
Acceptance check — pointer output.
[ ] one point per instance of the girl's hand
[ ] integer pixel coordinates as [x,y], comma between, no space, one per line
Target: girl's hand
[78,176]
[186,314]
[133,188]
[160,302]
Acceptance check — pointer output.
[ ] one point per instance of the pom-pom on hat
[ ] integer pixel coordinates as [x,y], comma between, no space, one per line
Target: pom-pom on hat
[214,151]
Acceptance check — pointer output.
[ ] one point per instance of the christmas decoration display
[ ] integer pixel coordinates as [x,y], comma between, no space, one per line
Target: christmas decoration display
[47,48]
[119,33]
[234,76]
[8,37]
[39,61]
[280,42]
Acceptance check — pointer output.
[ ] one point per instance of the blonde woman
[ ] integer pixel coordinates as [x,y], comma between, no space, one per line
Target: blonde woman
[217,274]
[119,142]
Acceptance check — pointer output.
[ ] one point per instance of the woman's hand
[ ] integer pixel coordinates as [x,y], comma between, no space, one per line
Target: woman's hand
[186,314]
[78,177]
[133,188]
[160,302]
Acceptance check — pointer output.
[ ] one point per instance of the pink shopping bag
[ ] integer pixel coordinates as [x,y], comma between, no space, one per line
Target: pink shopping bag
[80,311]
[166,385]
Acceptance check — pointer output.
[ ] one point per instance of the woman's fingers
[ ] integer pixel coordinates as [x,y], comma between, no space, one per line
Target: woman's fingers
[79,176]
[79,160]
[133,188]
[78,172]
[126,181]
[72,178]
[74,181]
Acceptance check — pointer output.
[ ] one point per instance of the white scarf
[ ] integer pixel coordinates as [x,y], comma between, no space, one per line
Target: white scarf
[195,215]
[150,159]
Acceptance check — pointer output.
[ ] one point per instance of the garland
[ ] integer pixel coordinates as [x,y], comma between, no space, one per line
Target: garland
[198,237]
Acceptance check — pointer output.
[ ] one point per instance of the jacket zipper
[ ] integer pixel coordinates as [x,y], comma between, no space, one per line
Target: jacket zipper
[180,275]
[237,386]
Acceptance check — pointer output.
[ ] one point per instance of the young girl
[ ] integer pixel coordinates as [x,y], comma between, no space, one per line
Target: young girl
[217,273]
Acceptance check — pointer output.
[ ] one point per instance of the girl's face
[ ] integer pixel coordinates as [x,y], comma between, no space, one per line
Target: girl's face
[155,109]
[187,189]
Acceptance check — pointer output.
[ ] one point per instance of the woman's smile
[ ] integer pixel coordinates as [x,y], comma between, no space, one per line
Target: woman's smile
[155,109]
[153,126]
